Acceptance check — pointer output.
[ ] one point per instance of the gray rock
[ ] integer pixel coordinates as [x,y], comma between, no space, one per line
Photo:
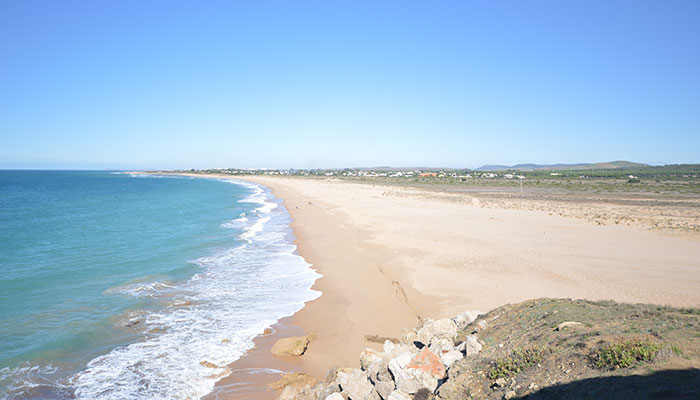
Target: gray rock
[379,372]
[384,388]
[389,346]
[405,380]
[472,346]
[324,390]
[450,357]
[334,396]
[288,393]
[400,349]
[409,337]
[369,357]
[510,394]
[466,318]
[441,345]
[355,385]
[400,361]
[398,395]
[442,328]
[414,372]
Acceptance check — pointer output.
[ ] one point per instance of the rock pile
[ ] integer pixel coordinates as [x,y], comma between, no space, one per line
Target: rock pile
[414,368]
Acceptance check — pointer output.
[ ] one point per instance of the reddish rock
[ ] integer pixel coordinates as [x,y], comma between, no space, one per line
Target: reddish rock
[427,361]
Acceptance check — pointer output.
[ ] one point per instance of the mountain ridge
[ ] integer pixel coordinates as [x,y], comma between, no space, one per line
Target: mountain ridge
[562,167]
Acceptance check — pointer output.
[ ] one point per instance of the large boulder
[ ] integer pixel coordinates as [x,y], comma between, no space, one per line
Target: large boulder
[440,345]
[379,372]
[290,346]
[369,357]
[389,346]
[471,346]
[450,357]
[441,328]
[326,390]
[393,350]
[429,362]
[384,388]
[444,348]
[414,372]
[402,377]
[355,385]
[329,385]
[409,337]
[375,363]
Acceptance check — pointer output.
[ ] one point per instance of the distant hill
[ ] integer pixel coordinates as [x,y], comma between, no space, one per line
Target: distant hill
[559,167]
[395,169]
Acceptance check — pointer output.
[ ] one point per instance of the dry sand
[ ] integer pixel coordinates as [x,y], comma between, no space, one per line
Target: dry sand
[390,256]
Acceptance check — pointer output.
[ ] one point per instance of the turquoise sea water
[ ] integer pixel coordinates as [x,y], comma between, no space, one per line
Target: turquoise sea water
[119,286]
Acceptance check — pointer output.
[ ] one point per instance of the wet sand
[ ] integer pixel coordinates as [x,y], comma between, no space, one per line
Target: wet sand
[252,373]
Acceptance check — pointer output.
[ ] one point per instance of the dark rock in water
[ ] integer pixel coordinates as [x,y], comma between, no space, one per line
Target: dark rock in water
[132,324]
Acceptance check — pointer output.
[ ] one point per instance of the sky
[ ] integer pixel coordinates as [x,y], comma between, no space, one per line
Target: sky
[295,84]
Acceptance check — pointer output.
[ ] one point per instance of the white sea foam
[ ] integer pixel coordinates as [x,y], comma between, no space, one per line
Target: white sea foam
[34,380]
[240,292]
[145,289]
[154,175]
[254,229]
[259,196]
[235,223]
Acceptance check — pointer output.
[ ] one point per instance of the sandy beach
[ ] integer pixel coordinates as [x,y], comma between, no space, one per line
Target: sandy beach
[390,256]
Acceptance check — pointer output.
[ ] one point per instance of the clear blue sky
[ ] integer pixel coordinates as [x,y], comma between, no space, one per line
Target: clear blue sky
[170,84]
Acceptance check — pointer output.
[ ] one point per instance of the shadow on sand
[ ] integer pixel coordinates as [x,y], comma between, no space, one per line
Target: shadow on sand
[669,384]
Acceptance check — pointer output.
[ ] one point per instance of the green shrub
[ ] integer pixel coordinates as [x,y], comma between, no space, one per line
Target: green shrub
[626,354]
[518,360]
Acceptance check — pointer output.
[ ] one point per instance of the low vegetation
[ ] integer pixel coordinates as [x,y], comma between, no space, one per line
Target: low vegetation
[626,353]
[559,348]
[518,360]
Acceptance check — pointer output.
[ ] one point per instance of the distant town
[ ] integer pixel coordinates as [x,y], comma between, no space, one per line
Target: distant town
[619,171]
[364,173]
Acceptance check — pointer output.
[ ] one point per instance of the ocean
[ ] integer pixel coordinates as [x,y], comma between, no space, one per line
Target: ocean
[124,286]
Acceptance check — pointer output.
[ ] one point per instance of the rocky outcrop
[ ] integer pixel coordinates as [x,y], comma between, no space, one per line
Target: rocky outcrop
[415,367]
[298,380]
[291,346]
[541,348]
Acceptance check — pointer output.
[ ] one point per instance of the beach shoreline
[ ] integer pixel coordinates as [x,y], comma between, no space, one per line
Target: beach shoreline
[390,256]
